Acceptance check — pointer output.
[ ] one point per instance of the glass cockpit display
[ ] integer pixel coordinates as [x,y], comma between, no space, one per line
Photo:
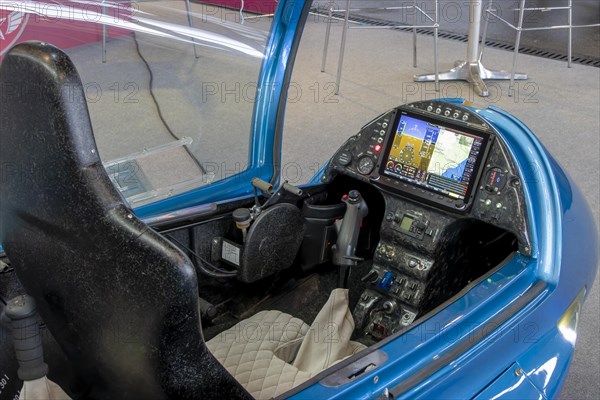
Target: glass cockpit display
[434,157]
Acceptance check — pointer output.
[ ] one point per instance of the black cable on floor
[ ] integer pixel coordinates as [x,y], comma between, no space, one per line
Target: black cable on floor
[158,109]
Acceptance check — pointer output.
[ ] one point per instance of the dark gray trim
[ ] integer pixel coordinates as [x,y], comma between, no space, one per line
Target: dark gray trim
[345,375]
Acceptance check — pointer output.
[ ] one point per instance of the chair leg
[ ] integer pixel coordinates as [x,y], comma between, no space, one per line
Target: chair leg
[342,48]
[327,35]
[104,34]
[486,23]
[511,88]
[191,25]
[415,34]
[436,47]
[242,5]
[570,50]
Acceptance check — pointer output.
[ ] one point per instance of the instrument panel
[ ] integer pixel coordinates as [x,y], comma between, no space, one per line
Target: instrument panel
[432,160]
[440,169]
[440,162]
[431,152]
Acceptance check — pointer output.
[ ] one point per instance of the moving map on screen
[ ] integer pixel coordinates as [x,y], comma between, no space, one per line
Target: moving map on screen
[432,156]
[450,155]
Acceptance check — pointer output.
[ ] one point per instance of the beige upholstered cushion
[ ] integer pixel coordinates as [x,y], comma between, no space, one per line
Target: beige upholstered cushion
[260,352]
[248,349]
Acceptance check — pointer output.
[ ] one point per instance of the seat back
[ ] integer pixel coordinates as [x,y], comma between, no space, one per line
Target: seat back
[121,300]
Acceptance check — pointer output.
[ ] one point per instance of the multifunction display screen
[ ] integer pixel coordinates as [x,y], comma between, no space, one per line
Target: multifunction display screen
[437,158]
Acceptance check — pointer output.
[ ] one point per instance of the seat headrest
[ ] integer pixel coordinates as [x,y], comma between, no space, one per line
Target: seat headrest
[47,147]
[120,300]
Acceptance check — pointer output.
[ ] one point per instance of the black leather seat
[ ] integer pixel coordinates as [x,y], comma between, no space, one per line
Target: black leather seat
[121,301]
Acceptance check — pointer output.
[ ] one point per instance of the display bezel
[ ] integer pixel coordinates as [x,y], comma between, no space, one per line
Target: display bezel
[404,186]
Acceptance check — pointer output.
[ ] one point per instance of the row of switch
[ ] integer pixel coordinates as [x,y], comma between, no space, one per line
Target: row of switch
[401,287]
[447,113]
[389,253]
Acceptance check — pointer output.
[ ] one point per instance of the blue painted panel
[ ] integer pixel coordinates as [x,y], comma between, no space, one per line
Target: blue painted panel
[511,385]
[561,225]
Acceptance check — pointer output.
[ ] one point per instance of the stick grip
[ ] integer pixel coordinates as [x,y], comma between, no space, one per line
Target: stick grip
[27,338]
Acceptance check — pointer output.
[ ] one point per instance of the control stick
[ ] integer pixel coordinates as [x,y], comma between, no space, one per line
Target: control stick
[344,251]
[27,340]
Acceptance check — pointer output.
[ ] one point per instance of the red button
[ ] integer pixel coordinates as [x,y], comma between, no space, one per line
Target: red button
[377,148]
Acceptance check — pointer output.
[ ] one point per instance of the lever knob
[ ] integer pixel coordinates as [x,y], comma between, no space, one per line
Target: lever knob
[389,307]
[354,196]
[27,339]
[242,218]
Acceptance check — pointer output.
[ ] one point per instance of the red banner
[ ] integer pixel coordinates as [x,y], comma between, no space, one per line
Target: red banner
[64,24]
[67,24]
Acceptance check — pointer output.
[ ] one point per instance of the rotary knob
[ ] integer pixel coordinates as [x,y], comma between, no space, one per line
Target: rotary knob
[344,159]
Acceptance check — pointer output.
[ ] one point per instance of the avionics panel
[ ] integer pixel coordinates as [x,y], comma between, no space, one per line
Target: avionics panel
[433,159]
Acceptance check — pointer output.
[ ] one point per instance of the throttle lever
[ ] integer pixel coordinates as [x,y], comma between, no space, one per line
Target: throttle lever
[344,251]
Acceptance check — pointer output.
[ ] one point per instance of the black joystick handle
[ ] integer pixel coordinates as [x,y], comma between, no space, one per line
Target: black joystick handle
[27,338]
[344,254]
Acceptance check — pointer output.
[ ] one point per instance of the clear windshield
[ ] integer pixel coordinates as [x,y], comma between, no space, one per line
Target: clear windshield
[170,85]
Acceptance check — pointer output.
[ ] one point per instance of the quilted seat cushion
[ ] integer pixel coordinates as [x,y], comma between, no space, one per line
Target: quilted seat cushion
[248,350]
[272,352]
